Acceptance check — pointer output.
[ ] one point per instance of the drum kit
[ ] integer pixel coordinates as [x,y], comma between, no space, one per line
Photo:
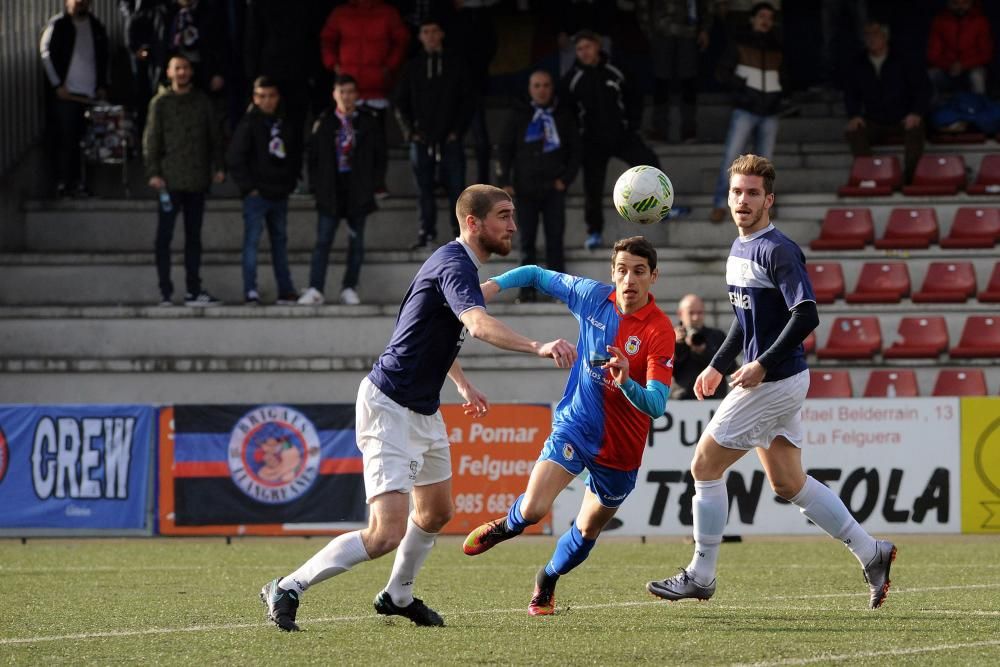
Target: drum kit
[110,137]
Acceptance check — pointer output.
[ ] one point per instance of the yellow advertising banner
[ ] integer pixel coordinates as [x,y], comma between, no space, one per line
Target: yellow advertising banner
[981,465]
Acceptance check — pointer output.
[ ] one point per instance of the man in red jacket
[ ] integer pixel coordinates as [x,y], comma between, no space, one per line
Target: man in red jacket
[366,39]
[959,48]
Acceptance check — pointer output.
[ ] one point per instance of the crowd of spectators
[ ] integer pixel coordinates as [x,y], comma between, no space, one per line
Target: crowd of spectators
[425,65]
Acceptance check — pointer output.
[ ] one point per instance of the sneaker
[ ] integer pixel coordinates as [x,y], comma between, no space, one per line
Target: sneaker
[165,301]
[288,299]
[381,194]
[487,536]
[717,215]
[311,297]
[543,600]
[678,212]
[281,605]
[201,300]
[252,298]
[681,587]
[423,240]
[349,297]
[877,572]
[593,242]
[416,611]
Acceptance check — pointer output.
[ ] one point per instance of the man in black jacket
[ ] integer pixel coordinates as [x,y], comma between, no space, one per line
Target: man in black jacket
[885,96]
[695,348]
[74,51]
[346,159]
[434,107]
[539,155]
[264,159]
[609,109]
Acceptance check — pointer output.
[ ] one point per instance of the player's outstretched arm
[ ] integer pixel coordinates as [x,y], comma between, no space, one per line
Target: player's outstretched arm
[476,404]
[528,276]
[487,328]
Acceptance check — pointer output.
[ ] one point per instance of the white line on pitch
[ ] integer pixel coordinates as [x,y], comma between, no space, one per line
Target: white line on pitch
[871,654]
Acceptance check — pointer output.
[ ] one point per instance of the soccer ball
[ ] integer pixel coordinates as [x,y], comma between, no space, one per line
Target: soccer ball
[643,195]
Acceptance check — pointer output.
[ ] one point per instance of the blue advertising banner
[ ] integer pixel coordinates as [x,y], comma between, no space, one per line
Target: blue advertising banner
[72,467]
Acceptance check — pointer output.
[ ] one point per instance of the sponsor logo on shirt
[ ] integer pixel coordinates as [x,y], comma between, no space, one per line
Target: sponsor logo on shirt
[740,300]
[595,322]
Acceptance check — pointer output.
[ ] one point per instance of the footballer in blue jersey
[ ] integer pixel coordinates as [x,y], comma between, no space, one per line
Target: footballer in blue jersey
[775,310]
[398,426]
[619,383]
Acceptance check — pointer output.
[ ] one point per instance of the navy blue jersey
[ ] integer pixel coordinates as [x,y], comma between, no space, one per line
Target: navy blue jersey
[428,332]
[766,274]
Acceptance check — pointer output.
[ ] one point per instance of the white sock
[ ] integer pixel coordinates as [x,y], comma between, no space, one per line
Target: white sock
[711,510]
[410,556]
[340,555]
[825,509]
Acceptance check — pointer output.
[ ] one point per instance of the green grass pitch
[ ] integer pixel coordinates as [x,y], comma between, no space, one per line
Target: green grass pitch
[781,601]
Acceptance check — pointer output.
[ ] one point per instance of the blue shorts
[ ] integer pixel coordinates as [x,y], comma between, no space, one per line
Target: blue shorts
[611,486]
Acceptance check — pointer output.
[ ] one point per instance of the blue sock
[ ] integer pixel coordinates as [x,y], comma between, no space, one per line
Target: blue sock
[515,521]
[571,550]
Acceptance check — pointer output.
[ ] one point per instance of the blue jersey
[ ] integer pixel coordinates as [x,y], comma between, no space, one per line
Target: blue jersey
[593,412]
[766,274]
[428,332]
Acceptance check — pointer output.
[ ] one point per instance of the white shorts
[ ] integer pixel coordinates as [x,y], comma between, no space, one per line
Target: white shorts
[754,417]
[400,448]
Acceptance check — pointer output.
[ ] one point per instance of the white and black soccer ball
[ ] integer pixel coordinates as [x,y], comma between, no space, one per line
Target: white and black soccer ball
[643,195]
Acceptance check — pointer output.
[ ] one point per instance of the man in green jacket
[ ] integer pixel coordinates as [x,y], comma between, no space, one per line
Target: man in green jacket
[182,149]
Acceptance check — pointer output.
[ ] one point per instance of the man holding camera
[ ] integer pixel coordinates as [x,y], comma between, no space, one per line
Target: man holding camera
[696,345]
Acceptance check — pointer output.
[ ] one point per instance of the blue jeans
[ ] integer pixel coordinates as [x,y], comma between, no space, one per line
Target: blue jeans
[257,211]
[425,159]
[326,229]
[192,204]
[741,125]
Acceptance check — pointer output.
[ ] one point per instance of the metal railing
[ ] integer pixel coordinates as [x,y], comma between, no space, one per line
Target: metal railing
[22,81]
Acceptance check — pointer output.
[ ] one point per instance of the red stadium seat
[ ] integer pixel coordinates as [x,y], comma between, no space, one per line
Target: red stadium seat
[883,382]
[852,338]
[829,384]
[881,282]
[960,382]
[988,179]
[992,292]
[947,282]
[827,279]
[809,344]
[973,227]
[919,338]
[937,175]
[980,337]
[909,228]
[873,176]
[845,229]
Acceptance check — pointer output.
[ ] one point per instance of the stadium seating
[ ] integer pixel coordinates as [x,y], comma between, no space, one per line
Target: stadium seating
[960,382]
[873,176]
[992,292]
[881,282]
[967,137]
[845,229]
[937,175]
[909,228]
[947,282]
[829,384]
[827,280]
[980,338]
[919,338]
[973,227]
[852,338]
[883,382]
[988,179]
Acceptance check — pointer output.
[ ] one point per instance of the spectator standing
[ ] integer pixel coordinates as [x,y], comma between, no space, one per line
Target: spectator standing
[752,68]
[264,159]
[886,96]
[538,157]
[696,346]
[74,52]
[677,32]
[146,75]
[345,151]
[367,39]
[434,108]
[609,110]
[959,48]
[182,148]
